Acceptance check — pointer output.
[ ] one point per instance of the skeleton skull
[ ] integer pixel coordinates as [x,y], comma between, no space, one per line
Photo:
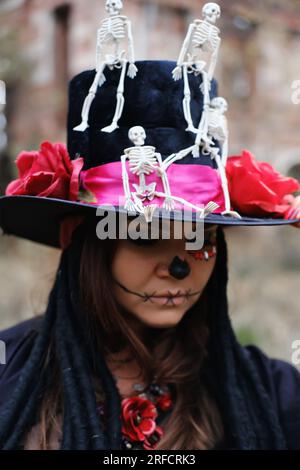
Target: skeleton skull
[220,104]
[211,12]
[113,7]
[137,135]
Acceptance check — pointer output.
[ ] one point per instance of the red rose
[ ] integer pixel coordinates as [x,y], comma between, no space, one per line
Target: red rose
[48,172]
[256,188]
[164,402]
[138,419]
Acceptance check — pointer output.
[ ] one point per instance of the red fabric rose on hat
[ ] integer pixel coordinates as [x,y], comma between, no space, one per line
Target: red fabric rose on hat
[48,172]
[138,421]
[256,189]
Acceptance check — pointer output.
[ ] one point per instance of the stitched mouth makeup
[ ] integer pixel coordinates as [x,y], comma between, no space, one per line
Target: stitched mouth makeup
[166,298]
[169,300]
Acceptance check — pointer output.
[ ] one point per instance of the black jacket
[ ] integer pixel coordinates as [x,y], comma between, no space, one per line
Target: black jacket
[281,379]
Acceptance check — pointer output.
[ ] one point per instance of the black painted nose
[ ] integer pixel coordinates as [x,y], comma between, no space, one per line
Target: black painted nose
[179,268]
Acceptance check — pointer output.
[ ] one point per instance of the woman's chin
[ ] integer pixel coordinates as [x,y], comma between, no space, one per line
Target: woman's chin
[163,317]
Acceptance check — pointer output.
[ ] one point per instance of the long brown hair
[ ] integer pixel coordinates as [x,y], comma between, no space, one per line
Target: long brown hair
[175,355]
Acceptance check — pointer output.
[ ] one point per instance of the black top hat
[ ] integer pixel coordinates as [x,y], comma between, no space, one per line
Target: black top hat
[53,184]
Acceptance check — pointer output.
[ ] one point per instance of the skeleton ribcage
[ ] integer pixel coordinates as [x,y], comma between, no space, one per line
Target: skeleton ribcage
[206,36]
[141,159]
[217,125]
[112,28]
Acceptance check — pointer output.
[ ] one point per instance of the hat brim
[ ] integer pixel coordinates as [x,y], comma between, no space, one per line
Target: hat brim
[38,218]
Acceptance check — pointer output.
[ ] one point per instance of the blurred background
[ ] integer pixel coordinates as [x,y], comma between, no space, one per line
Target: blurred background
[43,43]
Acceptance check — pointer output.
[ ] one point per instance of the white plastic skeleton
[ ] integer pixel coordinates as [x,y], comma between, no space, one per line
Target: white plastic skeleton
[214,152]
[144,160]
[213,124]
[217,129]
[112,31]
[202,37]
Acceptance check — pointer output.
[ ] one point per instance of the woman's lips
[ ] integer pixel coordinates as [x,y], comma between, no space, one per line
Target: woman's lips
[170,301]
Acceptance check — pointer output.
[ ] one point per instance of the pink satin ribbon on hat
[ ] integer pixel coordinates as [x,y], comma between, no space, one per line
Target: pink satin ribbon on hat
[197,184]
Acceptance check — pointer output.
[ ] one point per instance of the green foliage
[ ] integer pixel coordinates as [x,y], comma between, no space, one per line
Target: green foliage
[246,335]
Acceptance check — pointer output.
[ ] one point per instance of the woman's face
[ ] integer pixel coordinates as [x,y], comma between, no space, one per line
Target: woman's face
[141,271]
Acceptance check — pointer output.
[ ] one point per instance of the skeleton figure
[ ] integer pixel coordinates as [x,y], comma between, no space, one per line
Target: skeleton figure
[214,125]
[217,130]
[215,154]
[112,31]
[202,37]
[144,160]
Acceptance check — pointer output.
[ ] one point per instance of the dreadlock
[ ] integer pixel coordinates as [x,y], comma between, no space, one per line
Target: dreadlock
[82,427]
[247,410]
[250,420]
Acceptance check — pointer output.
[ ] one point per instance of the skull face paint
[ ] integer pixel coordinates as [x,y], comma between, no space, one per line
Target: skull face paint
[147,289]
[209,249]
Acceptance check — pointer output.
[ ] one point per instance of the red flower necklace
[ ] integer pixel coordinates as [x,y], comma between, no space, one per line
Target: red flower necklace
[139,415]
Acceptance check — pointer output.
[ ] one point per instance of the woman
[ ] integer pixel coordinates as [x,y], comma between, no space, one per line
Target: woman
[220,394]
[136,348]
